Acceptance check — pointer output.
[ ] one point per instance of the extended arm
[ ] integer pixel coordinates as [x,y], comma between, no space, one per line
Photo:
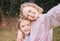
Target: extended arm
[54,15]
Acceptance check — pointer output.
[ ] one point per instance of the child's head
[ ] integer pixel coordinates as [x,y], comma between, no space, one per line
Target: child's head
[25,26]
[31,10]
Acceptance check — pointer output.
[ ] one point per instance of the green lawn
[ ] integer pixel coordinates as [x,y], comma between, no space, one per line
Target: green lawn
[11,34]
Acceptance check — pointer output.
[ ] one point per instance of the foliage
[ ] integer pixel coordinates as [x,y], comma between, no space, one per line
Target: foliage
[47,4]
[12,7]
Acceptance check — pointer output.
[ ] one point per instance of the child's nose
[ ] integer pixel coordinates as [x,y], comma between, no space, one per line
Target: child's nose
[27,28]
[33,12]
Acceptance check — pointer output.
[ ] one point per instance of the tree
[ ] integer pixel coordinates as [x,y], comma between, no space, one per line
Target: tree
[31,0]
[1,12]
[0,16]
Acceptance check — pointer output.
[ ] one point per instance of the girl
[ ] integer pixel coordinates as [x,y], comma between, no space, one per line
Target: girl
[24,30]
[41,30]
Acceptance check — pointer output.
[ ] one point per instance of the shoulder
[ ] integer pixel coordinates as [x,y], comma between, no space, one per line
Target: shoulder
[42,16]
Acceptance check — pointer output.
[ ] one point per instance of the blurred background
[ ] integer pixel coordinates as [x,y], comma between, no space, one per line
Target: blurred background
[9,14]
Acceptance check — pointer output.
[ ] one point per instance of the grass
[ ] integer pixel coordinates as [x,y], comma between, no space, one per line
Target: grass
[56,34]
[8,34]
[11,34]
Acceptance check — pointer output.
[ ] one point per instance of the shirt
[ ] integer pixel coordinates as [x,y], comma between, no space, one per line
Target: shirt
[27,38]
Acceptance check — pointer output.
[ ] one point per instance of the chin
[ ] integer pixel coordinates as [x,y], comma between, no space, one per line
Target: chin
[27,32]
[32,19]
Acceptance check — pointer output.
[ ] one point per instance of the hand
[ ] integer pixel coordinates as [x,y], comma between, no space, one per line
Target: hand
[19,36]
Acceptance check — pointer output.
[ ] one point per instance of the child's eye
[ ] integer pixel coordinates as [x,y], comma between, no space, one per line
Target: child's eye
[27,24]
[23,26]
[29,11]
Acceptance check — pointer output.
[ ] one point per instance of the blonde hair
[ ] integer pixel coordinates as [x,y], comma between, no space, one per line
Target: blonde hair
[39,9]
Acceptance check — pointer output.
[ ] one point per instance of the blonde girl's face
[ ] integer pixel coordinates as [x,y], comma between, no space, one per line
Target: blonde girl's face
[30,13]
[25,26]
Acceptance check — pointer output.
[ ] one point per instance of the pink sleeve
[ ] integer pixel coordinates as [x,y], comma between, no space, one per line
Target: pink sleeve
[54,15]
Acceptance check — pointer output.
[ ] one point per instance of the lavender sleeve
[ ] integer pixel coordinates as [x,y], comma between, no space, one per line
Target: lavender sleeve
[54,15]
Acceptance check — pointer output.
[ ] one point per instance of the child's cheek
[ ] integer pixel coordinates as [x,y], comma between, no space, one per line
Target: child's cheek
[25,15]
[36,15]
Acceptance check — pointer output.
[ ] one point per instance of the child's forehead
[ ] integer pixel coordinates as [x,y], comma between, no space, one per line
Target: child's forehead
[25,21]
